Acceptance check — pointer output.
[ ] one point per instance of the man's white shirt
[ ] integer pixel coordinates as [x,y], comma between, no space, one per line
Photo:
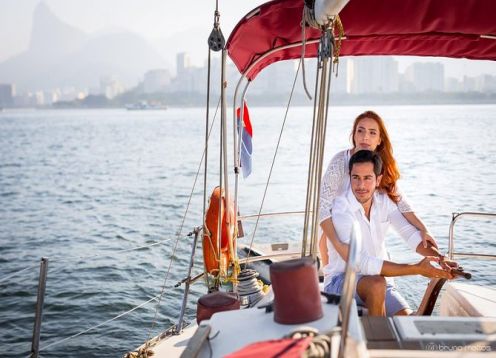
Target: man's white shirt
[383,213]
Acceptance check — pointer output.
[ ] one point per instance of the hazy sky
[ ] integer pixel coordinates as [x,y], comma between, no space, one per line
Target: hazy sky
[175,25]
[154,19]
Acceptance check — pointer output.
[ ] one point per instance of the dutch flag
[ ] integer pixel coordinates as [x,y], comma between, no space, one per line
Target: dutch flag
[246,141]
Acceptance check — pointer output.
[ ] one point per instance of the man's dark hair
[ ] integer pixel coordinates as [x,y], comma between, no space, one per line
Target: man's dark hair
[367,156]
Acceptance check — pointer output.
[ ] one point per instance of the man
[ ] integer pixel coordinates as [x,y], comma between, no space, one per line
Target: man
[375,211]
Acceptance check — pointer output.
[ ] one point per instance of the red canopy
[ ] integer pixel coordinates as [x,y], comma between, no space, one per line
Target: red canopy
[447,28]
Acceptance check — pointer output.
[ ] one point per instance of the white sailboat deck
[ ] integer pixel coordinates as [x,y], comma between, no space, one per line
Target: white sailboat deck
[232,330]
[462,299]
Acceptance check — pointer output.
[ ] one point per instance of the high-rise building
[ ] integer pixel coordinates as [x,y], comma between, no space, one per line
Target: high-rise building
[469,84]
[426,76]
[275,79]
[110,87]
[486,84]
[372,74]
[452,84]
[7,92]
[182,63]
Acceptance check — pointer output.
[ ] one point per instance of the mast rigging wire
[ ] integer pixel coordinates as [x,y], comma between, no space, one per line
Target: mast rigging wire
[177,240]
[274,158]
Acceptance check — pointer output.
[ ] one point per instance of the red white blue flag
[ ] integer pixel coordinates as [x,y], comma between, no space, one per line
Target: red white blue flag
[246,140]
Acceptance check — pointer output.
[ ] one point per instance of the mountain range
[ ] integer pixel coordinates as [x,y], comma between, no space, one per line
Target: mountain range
[60,55]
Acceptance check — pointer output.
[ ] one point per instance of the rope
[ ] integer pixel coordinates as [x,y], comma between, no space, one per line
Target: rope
[274,158]
[319,164]
[205,151]
[303,49]
[338,25]
[222,149]
[163,288]
[198,171]
[162,291]
[250,289]
[177,240]
[319,347]
[5,278]
[334,23]
[98,325]
[81,258]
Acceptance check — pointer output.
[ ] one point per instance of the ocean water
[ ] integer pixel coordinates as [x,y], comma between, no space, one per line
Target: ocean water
[84,187]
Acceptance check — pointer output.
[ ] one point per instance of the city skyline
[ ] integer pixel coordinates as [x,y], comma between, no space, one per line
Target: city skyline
[359,78]
[63,63]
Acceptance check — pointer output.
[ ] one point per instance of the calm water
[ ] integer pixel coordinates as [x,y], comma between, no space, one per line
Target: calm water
[80,186]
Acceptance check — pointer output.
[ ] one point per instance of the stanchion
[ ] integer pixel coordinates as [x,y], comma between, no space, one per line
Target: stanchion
[35,345]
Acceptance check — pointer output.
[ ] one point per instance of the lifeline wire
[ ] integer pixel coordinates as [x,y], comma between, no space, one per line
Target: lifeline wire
[71,258]
[18,272]
[98,325]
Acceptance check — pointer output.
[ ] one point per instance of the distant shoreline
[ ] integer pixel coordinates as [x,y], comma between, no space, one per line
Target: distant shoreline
[252,105]
[190,100]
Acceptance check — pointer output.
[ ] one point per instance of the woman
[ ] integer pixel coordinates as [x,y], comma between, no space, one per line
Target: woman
[369,132]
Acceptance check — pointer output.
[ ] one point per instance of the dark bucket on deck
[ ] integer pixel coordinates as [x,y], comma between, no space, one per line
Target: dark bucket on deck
[216,302]
[296,291]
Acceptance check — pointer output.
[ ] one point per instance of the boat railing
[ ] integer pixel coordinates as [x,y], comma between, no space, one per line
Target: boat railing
[282,252]
[11,275]
[42,279]
[43,267]
[451,244]
[272,214]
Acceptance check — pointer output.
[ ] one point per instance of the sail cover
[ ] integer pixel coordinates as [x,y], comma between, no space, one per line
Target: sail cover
[446,28]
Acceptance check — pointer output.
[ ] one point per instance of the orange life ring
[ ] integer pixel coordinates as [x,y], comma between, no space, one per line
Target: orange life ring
[213,264]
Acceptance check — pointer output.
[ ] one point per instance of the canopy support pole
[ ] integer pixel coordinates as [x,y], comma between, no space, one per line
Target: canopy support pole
[237,138]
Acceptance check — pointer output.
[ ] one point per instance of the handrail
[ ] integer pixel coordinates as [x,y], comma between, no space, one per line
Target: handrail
[277,213]
[451,247]
[250,259]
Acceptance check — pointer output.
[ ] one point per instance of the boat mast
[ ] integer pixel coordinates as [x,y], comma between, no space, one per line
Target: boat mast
[317,145]
[216,42]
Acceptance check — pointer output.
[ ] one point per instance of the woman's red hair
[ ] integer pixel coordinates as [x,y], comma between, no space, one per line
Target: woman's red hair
[390,172]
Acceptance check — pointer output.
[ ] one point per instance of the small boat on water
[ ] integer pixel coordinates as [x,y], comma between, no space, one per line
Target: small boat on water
[145,105]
